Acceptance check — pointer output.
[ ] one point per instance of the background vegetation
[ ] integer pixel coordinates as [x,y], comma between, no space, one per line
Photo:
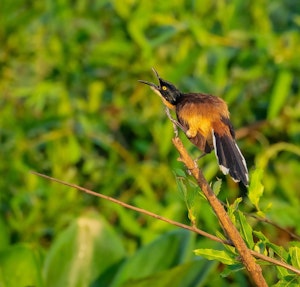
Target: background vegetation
[71,107]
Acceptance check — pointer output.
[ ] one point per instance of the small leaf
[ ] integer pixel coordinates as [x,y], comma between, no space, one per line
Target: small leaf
[261,236]
[179,172]
[181,185]
[219,255]
[217,186]
[232,208]
[256,188]
[231,269]
[245,229]
[295,256]
[288,281]
[264,242]
[260,247]
[229,248]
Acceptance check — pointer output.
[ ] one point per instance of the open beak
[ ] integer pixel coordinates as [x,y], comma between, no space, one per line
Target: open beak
[152,85]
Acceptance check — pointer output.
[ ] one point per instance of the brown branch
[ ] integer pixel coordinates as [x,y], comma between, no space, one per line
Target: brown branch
[137,209]
[250,129]
[175,223]
[268,221]
[247,259]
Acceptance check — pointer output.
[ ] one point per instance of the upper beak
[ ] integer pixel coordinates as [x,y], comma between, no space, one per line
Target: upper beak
[152,85]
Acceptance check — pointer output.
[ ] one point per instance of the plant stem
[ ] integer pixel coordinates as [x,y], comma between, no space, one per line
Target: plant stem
[230,230]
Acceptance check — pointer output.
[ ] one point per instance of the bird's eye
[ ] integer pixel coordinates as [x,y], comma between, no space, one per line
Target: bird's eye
[164,88]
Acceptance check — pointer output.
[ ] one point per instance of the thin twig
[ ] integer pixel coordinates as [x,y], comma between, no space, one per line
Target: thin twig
[268,221]
[137,209]
[175,223]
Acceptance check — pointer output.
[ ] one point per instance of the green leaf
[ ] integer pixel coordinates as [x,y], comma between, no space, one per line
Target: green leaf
[295,256]
[179,172]
[229,248]
[168,250]
[181,185]
[87,248]
[245,229]
[264,242]
[280,92]
[20,266]
[288,281]
[232,208]
[219,255]
[235,205]
[232,268]
[256,188]
[261,236]
[195,273]
[217,186]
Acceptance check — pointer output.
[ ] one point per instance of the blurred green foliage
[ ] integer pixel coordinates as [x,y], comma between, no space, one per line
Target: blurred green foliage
[71,107]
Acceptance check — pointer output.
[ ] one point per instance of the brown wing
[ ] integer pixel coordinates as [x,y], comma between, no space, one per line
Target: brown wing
[197,113]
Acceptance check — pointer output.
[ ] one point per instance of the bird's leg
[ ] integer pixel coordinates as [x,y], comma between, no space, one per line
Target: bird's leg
[175,123]
[196,161]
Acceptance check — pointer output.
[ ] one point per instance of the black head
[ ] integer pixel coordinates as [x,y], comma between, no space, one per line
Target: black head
[165,89]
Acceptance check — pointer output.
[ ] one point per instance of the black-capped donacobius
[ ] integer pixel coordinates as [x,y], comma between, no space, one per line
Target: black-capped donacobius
[205,120]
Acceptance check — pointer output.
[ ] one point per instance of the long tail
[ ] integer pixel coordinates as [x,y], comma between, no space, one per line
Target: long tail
[230,158]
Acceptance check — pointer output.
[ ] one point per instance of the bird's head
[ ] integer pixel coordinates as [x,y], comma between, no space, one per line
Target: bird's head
[165,89]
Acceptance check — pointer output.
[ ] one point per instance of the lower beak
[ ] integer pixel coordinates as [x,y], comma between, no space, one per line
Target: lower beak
[149,84]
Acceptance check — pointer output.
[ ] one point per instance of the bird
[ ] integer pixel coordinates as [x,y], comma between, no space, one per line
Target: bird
[205,120]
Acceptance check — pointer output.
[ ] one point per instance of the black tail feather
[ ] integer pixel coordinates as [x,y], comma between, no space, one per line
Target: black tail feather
[230,158]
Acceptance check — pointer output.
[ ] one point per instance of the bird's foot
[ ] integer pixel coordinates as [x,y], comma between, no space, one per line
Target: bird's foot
[175,123]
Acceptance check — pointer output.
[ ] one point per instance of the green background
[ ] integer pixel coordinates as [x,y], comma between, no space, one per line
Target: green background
[71,107]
